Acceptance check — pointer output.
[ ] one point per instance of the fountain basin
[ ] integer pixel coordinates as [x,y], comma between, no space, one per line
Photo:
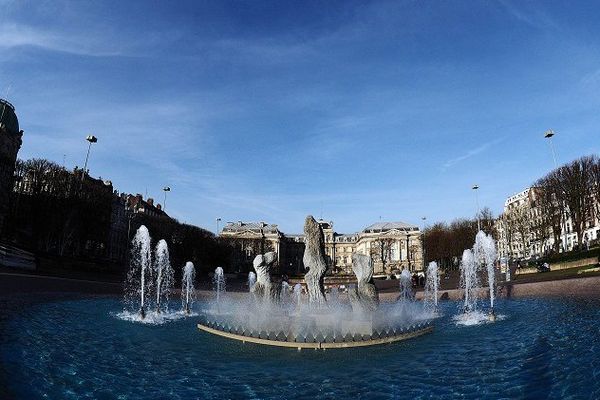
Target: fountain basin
[345,342]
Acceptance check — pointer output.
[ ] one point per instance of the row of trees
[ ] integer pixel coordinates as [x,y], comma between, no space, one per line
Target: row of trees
[187,242]
[57,212]
[445,243]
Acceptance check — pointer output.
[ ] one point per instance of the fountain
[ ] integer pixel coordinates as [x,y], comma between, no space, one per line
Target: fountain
[139,278]
[431,287]
[485,254]
[285,293]
[469,281]
[251,280]
[332,322]
[298,296]
[164,276]
[406,292]
[219,283]
[187,286]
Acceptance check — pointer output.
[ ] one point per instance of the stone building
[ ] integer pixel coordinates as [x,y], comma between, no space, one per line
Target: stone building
[392,245]
[522,235]
[249,239]
[10,143]
[137,204]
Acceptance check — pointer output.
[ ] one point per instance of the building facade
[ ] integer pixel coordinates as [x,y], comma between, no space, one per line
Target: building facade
[392,246]
[10,143]
[526,229]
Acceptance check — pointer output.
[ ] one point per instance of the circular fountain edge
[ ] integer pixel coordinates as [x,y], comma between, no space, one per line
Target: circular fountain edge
[318,345]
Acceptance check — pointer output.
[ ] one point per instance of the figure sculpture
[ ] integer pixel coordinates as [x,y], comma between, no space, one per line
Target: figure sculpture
[264,289]
[364,297]
[314,262]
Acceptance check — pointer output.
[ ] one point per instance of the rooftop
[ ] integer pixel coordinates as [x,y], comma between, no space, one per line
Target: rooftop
[241,226]
[386,226]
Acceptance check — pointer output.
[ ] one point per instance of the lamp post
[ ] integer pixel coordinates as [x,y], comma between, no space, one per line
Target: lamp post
[423,242]
[475,188]
[217,220]
[91,139]
[165,189]
[548,135]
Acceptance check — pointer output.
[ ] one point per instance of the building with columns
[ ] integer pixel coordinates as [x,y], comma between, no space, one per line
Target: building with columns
[10,143]
[392,246]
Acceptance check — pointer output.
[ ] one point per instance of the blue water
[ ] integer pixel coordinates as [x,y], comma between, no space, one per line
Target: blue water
[78,349]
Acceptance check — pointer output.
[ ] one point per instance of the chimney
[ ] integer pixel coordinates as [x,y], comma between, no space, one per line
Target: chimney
[150,201]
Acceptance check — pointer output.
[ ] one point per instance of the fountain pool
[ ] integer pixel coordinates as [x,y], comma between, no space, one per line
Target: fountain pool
[69,348]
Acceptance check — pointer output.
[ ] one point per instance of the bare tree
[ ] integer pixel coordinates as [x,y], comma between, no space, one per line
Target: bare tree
[382,250]
[595,186]
[548,220]
[520,220]
[573,184]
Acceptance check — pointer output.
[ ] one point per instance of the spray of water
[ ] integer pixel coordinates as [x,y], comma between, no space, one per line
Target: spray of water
[139,278]
[485,254]
[187,286]
[297,294]
[219,284]
[469,281]
[431,286]
[406,292]
[251,280]
[164,276]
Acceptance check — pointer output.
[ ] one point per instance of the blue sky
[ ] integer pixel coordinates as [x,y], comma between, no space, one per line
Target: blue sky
[272,110]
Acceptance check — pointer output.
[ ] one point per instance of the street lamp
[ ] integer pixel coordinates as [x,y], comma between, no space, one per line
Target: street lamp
[165,189]
[475,188]
[423,241]
[91,139]
[548,135]
[217,220]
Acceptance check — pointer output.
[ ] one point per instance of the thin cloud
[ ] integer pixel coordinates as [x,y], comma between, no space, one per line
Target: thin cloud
[536,18]
[471,153]
[14,35]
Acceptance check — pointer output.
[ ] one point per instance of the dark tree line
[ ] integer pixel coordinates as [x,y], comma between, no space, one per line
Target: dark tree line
[186,243]
[55,211]
[445,243]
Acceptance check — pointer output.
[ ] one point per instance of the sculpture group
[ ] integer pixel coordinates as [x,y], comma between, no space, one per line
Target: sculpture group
[363,297]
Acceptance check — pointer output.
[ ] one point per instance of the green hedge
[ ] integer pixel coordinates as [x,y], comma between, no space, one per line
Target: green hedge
[571,256]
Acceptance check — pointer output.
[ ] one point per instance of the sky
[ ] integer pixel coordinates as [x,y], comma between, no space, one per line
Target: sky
[268,111]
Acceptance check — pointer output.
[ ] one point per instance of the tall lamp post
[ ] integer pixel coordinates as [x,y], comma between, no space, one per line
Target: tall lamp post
[91,139]
[423,242]
[548,135]
[217,220]
[475,188]
[165,189]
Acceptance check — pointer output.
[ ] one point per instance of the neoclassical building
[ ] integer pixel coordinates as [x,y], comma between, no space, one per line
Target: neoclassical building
[10,143]
[392,246]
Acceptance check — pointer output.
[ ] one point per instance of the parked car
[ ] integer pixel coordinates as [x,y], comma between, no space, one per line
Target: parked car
[543,267]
